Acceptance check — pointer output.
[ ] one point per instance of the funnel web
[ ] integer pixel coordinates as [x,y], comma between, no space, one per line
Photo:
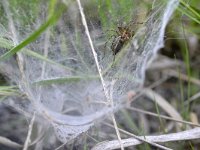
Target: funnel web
[59,76]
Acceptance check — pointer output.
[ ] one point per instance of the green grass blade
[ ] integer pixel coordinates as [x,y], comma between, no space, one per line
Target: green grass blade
[190,8]
[63,80]
[8,91]
[189,11]
[4,43]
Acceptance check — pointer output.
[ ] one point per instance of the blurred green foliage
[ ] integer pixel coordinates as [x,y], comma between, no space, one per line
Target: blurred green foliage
[25,12]
[115,12]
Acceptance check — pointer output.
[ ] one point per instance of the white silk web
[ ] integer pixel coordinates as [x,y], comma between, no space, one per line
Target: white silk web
[63,87]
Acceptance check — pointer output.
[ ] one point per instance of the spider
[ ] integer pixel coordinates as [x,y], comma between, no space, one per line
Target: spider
[122,35]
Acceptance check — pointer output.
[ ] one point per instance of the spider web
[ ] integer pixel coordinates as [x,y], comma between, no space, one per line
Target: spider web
[68,93]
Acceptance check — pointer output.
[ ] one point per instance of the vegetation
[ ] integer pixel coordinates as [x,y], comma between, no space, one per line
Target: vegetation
[51,32]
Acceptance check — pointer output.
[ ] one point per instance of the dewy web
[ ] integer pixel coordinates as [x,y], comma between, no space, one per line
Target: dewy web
[63,86]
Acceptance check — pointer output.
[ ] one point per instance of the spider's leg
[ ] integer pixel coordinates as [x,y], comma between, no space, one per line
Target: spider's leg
[105,46]
[115,45]
[111,30]
[118,32]
[132,22]
[109,40]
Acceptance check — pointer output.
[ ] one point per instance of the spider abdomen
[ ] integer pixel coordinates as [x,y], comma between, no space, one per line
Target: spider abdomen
[117,47]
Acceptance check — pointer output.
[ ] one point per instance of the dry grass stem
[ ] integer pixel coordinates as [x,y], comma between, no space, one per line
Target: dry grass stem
[163,103]
[26,144]
[182,76]
[184,135]
[139,138]
[162,116]
[9,143]
[110,101]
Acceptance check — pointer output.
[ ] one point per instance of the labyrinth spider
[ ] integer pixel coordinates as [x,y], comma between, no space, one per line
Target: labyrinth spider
[120,37]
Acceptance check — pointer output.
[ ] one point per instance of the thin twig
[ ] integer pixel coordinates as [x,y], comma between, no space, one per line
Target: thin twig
[191,99]
[26,144]
[184,135]
[93,51]
[140,138]
[113,117]
[182,76]
[164,104]
[162,116]
[117,131]
[156,83]
[109,99]
[7,142]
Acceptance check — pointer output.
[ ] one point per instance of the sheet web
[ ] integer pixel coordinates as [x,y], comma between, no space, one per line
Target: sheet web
[66,89]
